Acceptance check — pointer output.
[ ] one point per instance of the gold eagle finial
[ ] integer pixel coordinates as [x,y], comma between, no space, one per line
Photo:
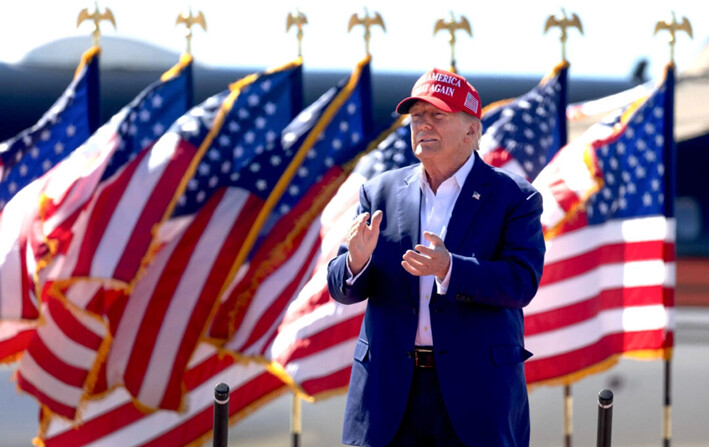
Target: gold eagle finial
[672,27]
[564,22]
[298,20]
[451,25]
[367,22]
[190,20]
[96,17]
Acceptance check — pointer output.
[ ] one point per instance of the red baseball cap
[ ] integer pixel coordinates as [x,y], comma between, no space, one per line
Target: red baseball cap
[448,91]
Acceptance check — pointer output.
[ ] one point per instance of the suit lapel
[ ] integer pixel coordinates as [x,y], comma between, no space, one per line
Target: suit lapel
[408,209]
[408,214]
[476,190]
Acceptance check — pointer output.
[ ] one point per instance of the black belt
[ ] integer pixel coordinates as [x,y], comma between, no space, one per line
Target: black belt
[423,357]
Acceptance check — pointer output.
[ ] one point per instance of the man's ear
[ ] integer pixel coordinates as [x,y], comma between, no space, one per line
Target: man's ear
[473,128]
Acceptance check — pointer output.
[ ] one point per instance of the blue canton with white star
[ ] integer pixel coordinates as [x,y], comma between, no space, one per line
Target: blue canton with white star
[633,167]
[528,127]
[346,135]
[63,128]
[245,152]
[150,115]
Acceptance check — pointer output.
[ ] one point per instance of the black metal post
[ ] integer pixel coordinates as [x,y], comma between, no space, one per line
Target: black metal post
[667,410]
[221,415]
[605,418]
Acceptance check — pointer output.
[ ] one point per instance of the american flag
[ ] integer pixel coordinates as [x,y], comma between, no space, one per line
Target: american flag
[86,198]
[65,126]
[236,162]
[330,133]
[23,160]
[608,281]
[523,134]
[60,366]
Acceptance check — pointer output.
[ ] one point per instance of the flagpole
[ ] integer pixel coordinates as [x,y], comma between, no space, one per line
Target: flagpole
[670,154]
[671,187]
[296,421]
[667,410]
[568,415]
[563,23]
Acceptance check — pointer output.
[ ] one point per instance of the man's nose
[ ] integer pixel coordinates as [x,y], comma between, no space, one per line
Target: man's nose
[424,121]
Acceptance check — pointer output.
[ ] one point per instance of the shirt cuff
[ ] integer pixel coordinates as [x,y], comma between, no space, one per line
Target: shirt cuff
[350,279]
[442,286]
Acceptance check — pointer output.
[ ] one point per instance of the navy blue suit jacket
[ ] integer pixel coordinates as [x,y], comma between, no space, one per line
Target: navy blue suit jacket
[495,238]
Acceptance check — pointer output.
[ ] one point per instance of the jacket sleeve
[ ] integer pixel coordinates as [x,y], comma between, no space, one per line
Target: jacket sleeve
[511,277]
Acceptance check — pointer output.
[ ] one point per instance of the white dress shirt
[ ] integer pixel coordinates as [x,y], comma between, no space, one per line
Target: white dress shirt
[436,210]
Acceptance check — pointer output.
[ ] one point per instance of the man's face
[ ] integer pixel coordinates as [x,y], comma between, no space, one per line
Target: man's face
[438,136]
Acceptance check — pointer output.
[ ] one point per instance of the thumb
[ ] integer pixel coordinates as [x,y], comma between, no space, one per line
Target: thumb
[433,238]
[376,220]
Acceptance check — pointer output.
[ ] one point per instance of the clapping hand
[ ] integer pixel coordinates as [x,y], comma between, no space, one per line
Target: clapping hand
[362,239]
[424,261]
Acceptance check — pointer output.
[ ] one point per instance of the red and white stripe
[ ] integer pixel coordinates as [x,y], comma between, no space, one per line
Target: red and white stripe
[112,232]
[60,356]
[15,336]
[315,346]
[261,318]
[17,259]
[115,420]
[255,302]
[167,311]
[606,290]
[316,338]
[494,154]
[119,208]
[73,181]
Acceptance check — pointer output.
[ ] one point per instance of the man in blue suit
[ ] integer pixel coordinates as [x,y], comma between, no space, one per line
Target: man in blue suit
[447,252]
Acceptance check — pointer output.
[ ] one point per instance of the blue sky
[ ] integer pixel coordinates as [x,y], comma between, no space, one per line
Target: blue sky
[508,36]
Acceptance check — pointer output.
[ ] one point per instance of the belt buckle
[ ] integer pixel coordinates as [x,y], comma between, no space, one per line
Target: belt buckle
[423,358]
